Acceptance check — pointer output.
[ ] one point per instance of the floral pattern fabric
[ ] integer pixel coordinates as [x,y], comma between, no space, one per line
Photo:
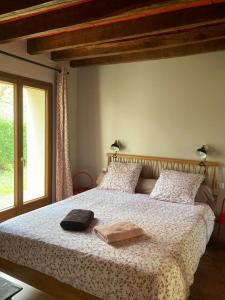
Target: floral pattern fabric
[157,266]
[121,177]
[174,186]
[64,185]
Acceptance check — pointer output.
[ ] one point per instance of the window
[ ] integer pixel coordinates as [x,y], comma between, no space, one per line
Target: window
[25,144]
[6,145]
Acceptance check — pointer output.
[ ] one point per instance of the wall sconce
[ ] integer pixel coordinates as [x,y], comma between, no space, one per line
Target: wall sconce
[115,147]
[202,153]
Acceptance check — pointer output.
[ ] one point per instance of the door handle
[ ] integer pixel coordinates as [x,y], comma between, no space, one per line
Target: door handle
[23,161]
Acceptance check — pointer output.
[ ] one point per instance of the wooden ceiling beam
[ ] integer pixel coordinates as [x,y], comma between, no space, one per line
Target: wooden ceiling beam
[16,5]
[184,50]
[153,24]
[19,9]
[141,44]
[78,14]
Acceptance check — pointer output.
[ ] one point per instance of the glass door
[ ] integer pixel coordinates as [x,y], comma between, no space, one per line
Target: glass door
[25,145]
[34,146]
[7,162]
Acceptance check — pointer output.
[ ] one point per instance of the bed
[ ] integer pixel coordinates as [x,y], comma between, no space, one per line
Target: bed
[159,265]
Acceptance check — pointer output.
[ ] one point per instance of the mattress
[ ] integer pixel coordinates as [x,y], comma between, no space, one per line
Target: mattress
[159,265]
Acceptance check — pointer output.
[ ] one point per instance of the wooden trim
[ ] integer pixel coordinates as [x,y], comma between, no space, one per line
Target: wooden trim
[21,207]
[43,282]
[19,149]
[8,214]
[26,81]
[16,146]
[154,24]
[49,143]
[169,52]
[157,158]
[35,204]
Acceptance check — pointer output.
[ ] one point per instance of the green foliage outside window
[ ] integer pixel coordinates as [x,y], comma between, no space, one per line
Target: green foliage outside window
[7,145]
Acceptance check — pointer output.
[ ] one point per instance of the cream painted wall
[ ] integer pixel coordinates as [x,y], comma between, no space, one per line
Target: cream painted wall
[18,67]
[164,108]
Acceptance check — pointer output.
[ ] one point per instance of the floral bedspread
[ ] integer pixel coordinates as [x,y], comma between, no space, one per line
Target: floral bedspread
[159,265]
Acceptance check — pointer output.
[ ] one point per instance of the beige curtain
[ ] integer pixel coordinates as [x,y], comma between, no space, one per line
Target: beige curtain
[64,186]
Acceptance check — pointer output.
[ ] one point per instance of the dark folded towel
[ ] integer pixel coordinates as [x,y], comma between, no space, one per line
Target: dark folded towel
[77,220]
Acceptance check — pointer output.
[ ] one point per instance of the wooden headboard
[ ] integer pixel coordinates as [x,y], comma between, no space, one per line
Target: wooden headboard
[153,165]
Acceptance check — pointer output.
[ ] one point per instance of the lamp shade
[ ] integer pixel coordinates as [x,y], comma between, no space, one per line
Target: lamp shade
[202,152]
[115,146]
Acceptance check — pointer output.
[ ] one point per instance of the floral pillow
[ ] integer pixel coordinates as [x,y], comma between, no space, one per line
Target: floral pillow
[121,177]
[174,186]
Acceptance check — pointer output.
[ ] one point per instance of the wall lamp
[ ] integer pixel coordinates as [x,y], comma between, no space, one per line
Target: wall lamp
[115,147]
[202,153]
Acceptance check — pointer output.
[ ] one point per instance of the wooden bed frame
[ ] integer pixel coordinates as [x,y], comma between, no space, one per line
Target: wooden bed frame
[152,167]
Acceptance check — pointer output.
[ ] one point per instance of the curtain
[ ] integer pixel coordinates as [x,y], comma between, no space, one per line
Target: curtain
[64,186]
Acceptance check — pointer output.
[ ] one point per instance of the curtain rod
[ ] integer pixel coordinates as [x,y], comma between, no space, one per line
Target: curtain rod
[29,61]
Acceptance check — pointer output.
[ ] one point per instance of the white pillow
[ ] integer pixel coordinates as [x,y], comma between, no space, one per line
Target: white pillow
[121,177]
[174,186]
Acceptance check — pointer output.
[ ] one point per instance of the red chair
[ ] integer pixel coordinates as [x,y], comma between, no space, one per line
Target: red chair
[78,190]
[221,217]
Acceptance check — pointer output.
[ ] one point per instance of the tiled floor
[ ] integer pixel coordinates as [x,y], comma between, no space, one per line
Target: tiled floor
[209,281]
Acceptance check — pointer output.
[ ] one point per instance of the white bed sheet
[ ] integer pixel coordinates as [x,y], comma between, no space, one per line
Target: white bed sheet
[159,265]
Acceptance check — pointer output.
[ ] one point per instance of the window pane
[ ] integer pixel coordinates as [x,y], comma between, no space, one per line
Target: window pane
[33,143]
[6,145]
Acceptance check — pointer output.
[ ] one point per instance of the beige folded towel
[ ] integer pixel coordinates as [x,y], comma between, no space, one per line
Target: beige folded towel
[119,231]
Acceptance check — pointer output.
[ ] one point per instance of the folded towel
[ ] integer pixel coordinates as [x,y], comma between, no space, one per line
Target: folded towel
[77,220]
[119,231]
